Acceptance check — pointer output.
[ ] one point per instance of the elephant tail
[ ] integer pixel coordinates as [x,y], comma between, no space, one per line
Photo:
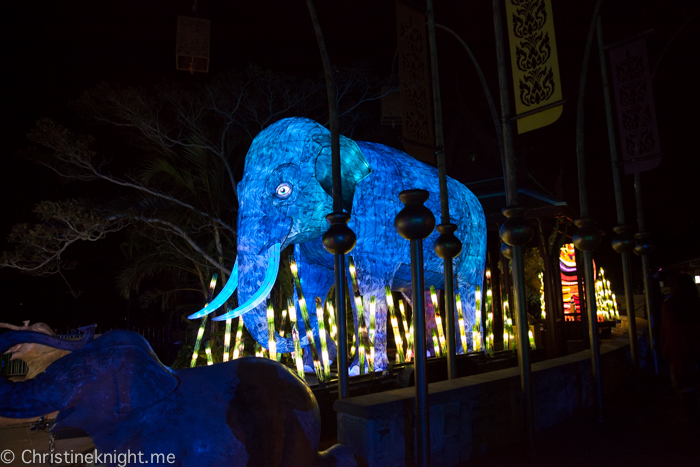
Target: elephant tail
[335,456]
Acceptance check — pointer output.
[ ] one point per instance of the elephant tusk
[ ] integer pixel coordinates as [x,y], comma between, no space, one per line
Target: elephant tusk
[224,295]
[265,288]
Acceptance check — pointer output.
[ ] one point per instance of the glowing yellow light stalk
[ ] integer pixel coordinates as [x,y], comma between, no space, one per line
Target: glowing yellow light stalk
[331,320]
[436,343]
[462,332]
[207,350]
[198,342]
[271,344]
[238,344]
[408,330]
[400,355]
[363,345]
[363,336]
[295,337]
[227,341]
[325,360]
[438,319]
[477,309]
[542,303]
[305,318]
[283,322]
[200,332]
[531,338]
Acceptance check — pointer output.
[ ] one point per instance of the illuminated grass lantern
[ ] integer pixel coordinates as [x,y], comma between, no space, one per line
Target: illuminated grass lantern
[207,350]
[203,324]
[271,345]
[488,305]
[477,339]
[305,317]
[462,332]
[408,330]
[238,345]
[542,303]
[298,359]
[362,328]
[227,341]
[325,360]
[398,339]
[331,320]
[438,318]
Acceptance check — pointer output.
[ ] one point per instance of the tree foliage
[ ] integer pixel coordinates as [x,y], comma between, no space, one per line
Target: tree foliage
[170,160]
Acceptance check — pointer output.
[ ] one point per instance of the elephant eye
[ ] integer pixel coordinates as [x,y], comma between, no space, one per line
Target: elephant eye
[284,190]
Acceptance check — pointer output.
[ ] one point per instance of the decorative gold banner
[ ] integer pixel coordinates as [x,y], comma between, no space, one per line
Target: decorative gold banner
[416,87]
[533,56]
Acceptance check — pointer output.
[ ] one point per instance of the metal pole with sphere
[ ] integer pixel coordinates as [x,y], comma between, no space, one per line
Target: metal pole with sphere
[447,245]
[339,239]
[515,232]
[588,236]
[415,222]
[622,242]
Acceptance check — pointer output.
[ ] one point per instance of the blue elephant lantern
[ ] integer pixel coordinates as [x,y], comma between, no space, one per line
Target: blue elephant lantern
[285,195]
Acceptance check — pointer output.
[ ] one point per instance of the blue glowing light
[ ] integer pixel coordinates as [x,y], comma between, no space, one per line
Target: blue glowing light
[285,194]
[265,288]
[220,299]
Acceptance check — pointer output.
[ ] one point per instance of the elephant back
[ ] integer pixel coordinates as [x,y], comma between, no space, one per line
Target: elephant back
[394,171]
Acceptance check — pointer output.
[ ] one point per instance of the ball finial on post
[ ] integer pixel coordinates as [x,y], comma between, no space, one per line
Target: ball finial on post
[339,238]
[415,221]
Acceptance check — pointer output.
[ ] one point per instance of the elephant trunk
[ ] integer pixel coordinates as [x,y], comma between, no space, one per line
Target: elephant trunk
[26,399]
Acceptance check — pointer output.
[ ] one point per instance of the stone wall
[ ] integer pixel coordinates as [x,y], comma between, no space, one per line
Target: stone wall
[475,414]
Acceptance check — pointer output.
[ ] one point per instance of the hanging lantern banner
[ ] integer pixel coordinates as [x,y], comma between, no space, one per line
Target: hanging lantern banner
[636,116]
[533,57]
[414,79]
[192,46]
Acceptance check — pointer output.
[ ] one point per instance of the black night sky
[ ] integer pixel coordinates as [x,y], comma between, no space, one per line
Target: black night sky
[55,50]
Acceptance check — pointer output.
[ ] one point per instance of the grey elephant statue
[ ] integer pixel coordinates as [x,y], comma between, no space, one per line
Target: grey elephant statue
[285,195]
[251,411]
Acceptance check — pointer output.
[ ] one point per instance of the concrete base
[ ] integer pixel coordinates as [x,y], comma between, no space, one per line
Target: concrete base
[475,414]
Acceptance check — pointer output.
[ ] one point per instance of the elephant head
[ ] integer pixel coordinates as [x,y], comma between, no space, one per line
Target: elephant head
[285,195]
[251,411]
[90,386]
[37,356]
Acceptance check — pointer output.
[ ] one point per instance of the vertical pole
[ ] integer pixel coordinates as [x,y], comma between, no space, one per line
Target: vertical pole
[422,413]
[622,243]
[643,248]
[444,202]
[515,231]
[339,239]
[593,329]
[415,222]
[588,237]
[342,340]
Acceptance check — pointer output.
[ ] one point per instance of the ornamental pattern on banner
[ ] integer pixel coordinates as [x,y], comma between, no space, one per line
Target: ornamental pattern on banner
[639,135]
[414,79]
[534,61]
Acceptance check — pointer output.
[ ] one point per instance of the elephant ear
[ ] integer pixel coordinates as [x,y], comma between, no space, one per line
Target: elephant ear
[353,166]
